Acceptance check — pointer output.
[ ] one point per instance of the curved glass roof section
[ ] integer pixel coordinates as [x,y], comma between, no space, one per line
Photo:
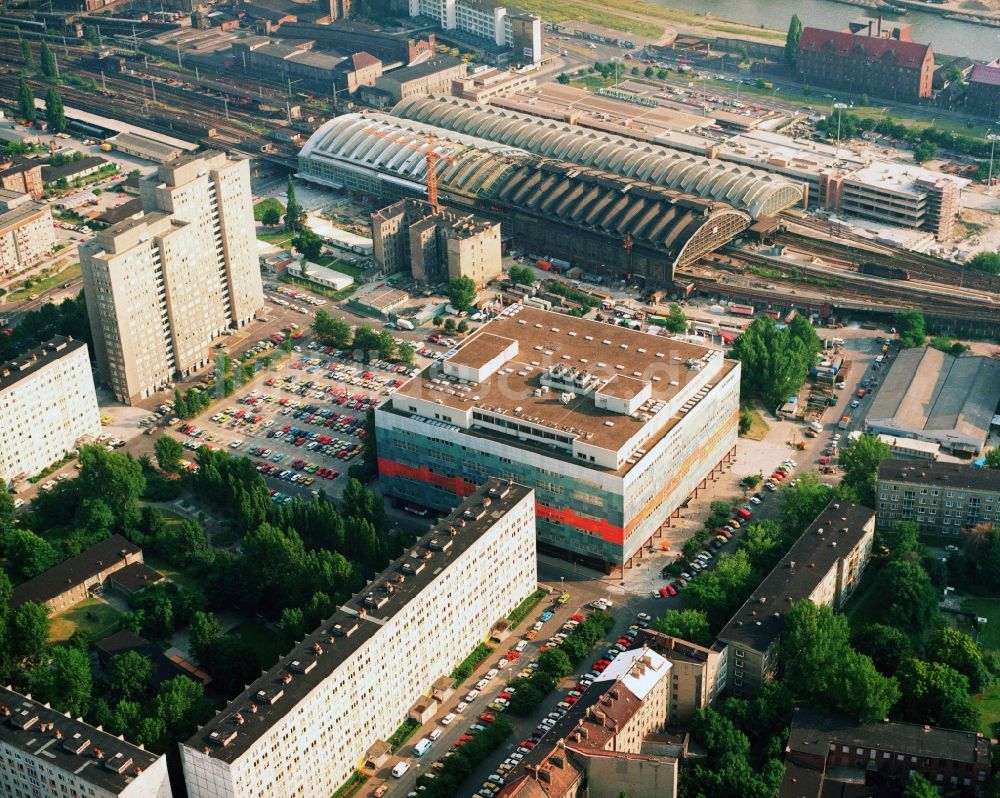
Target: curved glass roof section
[758,193]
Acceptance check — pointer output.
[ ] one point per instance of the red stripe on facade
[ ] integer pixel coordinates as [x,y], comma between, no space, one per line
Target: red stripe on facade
[609,532]
[457,485]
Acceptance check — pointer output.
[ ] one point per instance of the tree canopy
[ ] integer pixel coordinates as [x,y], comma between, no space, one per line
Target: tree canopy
[823,669]
[988,262]
[859,460]
[911,328]
[295,215]
[461,292]
[55,114]
[26,101]
[775,360]
[690,625]
[792,41]
[332,331]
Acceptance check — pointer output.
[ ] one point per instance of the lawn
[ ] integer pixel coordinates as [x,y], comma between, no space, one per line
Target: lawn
[989,608]
[266,643]
[45,283]
[988,702]
[988,705]
[278,237]
[758,426]
[92,615]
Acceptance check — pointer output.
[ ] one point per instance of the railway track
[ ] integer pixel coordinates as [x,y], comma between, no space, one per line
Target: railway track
[920,266]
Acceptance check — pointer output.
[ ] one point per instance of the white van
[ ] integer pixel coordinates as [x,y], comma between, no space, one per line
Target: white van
[400,770]
[422,747]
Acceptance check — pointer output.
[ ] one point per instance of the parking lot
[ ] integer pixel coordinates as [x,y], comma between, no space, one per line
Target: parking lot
[485,696]
[303,422]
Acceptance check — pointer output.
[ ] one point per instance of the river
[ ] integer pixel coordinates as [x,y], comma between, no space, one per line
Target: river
[945,35]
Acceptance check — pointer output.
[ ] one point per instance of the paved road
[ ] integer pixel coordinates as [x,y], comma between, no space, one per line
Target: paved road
[581,592]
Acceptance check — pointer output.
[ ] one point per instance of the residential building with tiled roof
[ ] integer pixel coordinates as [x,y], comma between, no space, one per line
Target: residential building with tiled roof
[861,64]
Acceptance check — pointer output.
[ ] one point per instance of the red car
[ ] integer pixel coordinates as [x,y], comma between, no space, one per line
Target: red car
[571,699]
[527,744]
[486,717]
[505,695]
[512,654]
[599,667]
[824,460]
[664,592]
[581,687]
[578,617]
[671,590]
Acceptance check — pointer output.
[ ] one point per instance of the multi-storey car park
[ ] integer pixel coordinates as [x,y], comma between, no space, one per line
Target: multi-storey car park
[621,226]
[614,428]
[331,703]
[751,190]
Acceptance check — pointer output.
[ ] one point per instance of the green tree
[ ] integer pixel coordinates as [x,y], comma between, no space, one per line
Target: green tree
[463,326]
[792,41]
[563,78]
[27,553]
[690,625]
[910,600]
[936,694]
[555,663]
[861,692]
[719,592]
[924,151]
[675,321]
[332,331]
[308,243]
[65,681]
[203,631]
[7,508]
[959,651]
[815,639]
[28,632]
[859,461]
[649,72]
[366,340]
[988,262]
[291,625]
[449,324]
[993,458]
[521,275]
[762,541]
[822,668]
[169,453]
[271,216]
[911,328]
[180,703]
[801,505]
[91,36]
[55,114]
[405,353]
[115,478]
[461,292]
[295,215]
[129,676]
[775,361]
[919,787]
[26,101]
[386,345]
[48,61]
[27,55]
[901,538]
[887,646]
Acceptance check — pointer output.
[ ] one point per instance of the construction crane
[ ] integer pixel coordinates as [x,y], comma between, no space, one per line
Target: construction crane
[431,156]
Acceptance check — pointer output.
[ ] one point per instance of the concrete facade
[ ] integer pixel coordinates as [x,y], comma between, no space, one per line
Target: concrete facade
[47,405]
[305,727]
[161,286]
[26,232]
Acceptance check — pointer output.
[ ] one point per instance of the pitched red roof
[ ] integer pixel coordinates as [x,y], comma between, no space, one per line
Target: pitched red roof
[867,48]
[985,73]
[363,59]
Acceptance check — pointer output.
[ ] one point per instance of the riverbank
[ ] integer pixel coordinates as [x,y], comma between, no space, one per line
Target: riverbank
[651,20]
[647,19]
